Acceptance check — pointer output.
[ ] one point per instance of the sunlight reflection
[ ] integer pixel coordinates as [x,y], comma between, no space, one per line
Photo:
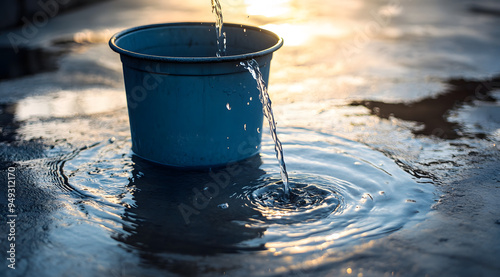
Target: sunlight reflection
[292,34]
[306,244]
[69,103]
[296,34]
[291,22]
[268,8]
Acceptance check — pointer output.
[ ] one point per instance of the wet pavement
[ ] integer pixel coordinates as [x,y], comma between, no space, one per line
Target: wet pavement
[412,85]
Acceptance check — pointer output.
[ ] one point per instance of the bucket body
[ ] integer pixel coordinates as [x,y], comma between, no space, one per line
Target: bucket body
[187,107]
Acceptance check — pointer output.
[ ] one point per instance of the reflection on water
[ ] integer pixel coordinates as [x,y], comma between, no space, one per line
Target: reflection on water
[27,61]
[489,8]
[8,124]
[344,194]
[433,112]
[67,104]
[190,212]
[112,211]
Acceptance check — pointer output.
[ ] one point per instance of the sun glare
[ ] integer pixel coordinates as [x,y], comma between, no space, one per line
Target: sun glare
[268,8]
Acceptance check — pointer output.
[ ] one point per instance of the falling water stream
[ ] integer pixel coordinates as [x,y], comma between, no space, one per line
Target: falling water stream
[192,223]
[372,193]
[253,67]
[221,35]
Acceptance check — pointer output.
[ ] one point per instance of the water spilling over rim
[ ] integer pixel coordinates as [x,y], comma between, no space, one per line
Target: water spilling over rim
[253,67]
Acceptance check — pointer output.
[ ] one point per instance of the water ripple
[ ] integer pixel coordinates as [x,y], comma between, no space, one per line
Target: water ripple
[342,193]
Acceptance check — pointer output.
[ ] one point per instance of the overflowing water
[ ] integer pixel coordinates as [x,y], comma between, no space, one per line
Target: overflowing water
[253,67]
[221,35]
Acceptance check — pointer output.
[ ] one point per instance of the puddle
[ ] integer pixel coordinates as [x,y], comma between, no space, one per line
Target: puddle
[491,8]
[8,125]
[89,206]
[433,112]
[27,61]
[179,221]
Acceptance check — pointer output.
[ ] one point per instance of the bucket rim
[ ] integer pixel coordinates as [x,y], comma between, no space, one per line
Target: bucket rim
[241,57]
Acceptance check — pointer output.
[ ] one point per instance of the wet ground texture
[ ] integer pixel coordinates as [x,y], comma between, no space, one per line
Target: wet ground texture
[390,108]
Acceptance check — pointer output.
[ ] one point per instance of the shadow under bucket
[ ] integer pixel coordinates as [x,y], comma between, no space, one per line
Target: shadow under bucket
[187,107]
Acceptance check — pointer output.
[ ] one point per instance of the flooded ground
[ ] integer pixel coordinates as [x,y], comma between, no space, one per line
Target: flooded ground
[389,108]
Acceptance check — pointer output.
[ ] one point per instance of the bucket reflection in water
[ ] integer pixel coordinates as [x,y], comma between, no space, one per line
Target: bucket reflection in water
[234,217]
[191,212]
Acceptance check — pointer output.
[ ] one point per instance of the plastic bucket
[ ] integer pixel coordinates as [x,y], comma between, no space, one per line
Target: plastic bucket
[187,107]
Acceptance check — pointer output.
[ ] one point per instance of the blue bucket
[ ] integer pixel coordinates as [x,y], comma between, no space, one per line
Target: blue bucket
[187,107]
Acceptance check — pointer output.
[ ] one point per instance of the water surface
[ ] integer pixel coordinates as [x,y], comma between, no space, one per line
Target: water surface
[87,205]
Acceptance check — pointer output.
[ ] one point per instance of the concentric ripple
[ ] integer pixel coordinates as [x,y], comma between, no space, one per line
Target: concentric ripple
[342,193]
[310,200]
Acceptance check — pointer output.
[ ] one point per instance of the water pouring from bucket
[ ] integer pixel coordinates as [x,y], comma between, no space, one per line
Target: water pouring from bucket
[253,67]
[179,90]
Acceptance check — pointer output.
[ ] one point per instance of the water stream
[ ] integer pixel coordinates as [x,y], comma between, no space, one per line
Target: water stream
[221,35]
[354,118]
[253,67]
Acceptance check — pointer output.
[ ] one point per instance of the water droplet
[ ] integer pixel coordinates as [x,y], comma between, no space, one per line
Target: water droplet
[258,130]
[227,137]
[357,163]
[244,30]
[112,139]
[248,103]
[251,98]
[223,206]
[228,107]
[245,127]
